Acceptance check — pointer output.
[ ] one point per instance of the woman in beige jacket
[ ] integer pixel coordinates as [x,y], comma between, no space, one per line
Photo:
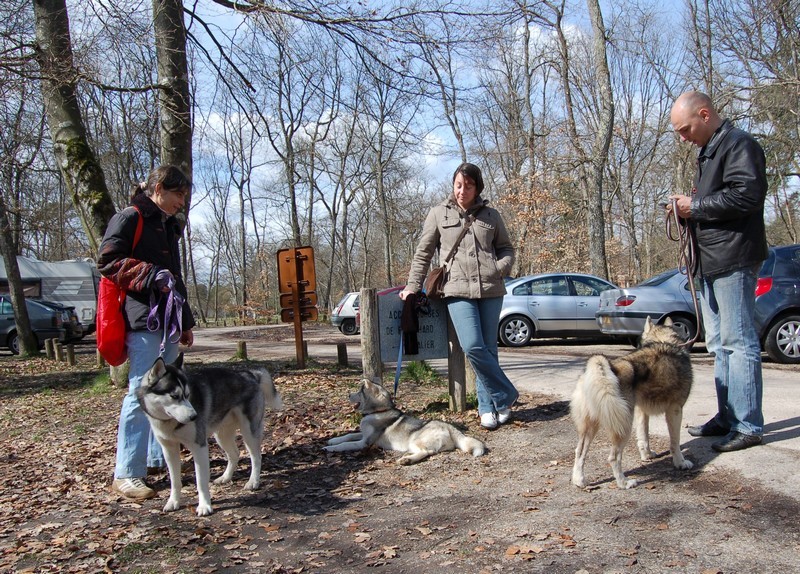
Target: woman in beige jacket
[474,288]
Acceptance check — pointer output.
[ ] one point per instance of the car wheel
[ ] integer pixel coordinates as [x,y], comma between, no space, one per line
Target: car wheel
[783,340]
[684,326]
[516,331]
[13,343]
[348,327]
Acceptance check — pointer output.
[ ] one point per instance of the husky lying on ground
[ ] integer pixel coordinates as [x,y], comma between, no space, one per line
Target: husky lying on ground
[655,379]
[387,427]
[186,407]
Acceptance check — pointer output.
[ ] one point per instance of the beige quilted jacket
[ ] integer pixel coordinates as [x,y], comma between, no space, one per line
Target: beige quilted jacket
[483,258]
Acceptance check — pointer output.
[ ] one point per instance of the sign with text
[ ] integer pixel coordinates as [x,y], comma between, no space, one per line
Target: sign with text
[432,334]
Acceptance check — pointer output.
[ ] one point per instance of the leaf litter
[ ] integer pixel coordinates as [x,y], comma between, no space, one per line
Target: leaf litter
[513,510]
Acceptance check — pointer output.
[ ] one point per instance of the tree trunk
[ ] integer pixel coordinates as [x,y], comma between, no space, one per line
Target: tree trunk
[602,141]
[28,345]
[78,165]
[174,99]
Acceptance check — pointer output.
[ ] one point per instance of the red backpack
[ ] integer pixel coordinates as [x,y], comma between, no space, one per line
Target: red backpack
[111,314]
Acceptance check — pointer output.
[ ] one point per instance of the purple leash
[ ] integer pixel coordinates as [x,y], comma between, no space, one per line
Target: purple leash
[173,316]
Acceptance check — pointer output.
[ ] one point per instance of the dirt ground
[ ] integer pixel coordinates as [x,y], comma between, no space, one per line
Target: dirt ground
[512,510]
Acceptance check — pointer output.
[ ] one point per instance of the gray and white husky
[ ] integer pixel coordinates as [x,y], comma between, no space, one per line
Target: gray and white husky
[612,394]
[186,407]
[387,427]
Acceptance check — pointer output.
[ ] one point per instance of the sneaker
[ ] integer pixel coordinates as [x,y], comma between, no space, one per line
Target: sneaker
[133,488]
[489,421]
[504,415]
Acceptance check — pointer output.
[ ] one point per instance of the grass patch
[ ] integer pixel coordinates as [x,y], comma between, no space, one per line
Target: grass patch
[421,373]
[100,385]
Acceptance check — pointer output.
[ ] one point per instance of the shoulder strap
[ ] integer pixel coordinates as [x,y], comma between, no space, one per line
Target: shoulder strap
[470,220]
[138,234]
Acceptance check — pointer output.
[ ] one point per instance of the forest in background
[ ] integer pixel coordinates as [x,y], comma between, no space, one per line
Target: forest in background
[338,126]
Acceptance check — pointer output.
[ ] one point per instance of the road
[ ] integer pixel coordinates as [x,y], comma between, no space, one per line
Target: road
[552,368]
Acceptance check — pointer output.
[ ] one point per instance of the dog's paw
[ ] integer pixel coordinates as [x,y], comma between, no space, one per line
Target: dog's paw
[647,454]
[630,483]
[223,480]
[684,464]
[404,460]
[252,485]
[204,510]
[172,505]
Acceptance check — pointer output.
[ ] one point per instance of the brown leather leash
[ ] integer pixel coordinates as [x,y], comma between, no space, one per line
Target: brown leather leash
[687,258]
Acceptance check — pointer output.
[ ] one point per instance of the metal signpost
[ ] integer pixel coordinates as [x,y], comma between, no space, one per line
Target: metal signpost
[297,282]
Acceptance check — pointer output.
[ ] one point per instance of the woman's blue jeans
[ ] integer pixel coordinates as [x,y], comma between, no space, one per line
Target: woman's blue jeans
[728,305]
[476,322]
[137,448]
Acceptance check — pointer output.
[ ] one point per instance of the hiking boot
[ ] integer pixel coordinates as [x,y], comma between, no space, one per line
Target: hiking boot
[133,488]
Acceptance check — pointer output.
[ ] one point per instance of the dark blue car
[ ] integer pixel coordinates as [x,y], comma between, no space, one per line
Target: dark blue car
[778,304]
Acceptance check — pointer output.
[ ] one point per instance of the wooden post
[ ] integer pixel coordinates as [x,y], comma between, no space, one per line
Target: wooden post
[341,353]
[100,362]
[241,350]
[305,350]
[71,355]
[456,370]
[370,337]
[49,348]
[119,374]
[59,348]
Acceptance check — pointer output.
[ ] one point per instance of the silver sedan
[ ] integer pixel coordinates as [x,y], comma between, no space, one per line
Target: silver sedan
[550,305]
[623,312]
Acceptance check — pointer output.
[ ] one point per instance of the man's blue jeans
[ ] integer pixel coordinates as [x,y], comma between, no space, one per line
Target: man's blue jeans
[476,322]
[137,448]
[728,305]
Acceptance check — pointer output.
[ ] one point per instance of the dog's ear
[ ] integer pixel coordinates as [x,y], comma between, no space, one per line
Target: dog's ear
[158,370]
[648,324]
[668,322]
[178,363]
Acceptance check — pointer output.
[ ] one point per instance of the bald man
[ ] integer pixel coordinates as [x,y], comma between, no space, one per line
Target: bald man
[726,212]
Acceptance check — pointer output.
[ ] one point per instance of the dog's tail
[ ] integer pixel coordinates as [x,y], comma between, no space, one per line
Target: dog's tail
[272,397]
[469,445]
[598,398]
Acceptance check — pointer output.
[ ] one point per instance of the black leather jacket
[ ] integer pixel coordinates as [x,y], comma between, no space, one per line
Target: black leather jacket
[727,210]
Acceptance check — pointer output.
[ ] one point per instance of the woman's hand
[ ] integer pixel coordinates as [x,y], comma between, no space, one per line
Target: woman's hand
[187,338]
[405,293]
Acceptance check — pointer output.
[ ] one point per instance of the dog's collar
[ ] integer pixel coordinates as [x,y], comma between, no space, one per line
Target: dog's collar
[381,411]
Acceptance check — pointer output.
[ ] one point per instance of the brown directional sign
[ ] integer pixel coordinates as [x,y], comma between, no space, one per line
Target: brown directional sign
[306,300]
[309,314]
[296,265]
[297,282]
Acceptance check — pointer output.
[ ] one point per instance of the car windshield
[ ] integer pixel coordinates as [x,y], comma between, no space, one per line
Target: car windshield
[658,279]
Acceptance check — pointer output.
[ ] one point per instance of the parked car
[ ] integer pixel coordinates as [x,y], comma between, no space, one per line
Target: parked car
[75,330]
[550,305]
[778,304]
[344,314]
[622,312]
[46,323]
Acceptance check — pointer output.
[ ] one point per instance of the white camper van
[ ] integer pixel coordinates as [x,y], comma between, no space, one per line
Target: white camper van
[71,283]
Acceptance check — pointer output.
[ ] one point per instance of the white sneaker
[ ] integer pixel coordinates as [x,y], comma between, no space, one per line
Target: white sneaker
[133,488]
[504,415]
[489,421]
